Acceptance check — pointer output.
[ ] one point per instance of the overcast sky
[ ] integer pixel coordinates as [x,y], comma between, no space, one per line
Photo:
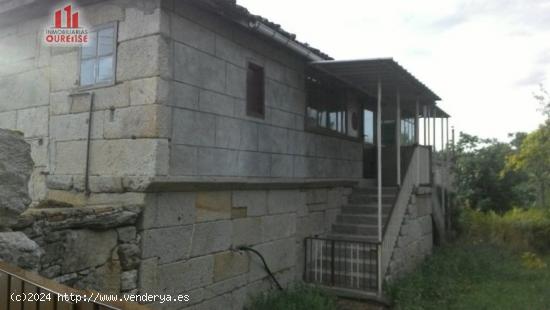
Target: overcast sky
[483,58]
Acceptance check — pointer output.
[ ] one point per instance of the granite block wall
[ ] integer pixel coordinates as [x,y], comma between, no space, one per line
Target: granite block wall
[211,133]
[190,241]
[177,107]
[415,241]
[41,97]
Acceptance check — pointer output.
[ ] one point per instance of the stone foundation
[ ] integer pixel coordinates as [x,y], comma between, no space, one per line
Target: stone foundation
[90,248]
[190,241]
[183,242]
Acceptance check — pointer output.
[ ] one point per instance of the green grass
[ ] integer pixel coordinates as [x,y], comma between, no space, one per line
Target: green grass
[299,297]
[479,276]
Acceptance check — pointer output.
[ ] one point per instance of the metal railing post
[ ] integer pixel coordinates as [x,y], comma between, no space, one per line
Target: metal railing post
[379,271]
[332,263]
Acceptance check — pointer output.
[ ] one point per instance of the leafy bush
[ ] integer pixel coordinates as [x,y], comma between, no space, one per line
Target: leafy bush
[298,297]
[517,229]
[532,261]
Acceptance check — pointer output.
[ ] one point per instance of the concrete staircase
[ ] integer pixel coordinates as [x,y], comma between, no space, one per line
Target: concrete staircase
[347,257]
[358,219]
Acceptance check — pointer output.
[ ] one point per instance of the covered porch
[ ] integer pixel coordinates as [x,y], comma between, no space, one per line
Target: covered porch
[402,130]
[400,113]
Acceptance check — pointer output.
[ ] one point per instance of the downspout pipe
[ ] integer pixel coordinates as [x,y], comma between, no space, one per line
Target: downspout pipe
[88,145]
[87,190]
[275,35]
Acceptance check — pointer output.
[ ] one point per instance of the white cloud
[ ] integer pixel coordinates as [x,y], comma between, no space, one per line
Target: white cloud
[484,58]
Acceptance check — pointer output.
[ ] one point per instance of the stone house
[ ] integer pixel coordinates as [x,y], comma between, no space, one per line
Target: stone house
[185,130]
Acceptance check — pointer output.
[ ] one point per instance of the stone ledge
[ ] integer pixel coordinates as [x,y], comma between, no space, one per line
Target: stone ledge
[92,217]
[183,184]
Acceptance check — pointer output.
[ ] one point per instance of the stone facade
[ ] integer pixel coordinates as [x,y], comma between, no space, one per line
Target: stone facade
[416,239]
[41,97]
[190,241]
[177,107]
[176,112]
[212,135]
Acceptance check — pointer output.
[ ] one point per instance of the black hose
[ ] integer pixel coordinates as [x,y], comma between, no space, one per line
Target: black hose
[245,248]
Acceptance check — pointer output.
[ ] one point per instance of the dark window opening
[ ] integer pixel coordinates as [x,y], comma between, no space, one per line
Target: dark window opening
[332,106]
[255,89]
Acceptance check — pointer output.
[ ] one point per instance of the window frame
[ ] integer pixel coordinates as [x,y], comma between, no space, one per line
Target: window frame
[407,131]
[101,84]
[249,111]
[346,117]
[363,122]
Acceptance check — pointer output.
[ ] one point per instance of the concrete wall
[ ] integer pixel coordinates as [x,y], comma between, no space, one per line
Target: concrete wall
[211,132]
[129,124]
[189,241]
[415,241]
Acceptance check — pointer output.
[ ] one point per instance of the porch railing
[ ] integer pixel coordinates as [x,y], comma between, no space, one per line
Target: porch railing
[22,290]
[341,263]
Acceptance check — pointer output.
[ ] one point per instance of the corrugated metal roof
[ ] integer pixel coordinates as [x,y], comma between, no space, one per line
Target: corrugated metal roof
[440,113]
[365,74]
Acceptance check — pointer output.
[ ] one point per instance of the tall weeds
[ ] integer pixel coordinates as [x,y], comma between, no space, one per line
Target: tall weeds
[517,229]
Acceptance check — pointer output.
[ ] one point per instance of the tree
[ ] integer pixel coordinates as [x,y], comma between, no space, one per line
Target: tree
[543,97]
[517,139]
[533,158]
[479,178]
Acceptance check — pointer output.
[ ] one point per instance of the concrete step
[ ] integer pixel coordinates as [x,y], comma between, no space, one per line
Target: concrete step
[374,190]
[348,237]
[367,183]
[358,198]
[355,229]
[371,219]
[365,209]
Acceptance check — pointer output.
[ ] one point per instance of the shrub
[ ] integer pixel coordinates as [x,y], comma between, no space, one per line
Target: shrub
[297,297]
[532,261]
[517,229]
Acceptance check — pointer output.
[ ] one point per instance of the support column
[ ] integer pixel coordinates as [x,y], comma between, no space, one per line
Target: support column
[453,139]
[443,174]
[447,164]
[398,137]
[429,109]
[434,118]
[447,139]
[379,168]
[416,122]
[424,118]
[417,138]
[442,134]
[379,157]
